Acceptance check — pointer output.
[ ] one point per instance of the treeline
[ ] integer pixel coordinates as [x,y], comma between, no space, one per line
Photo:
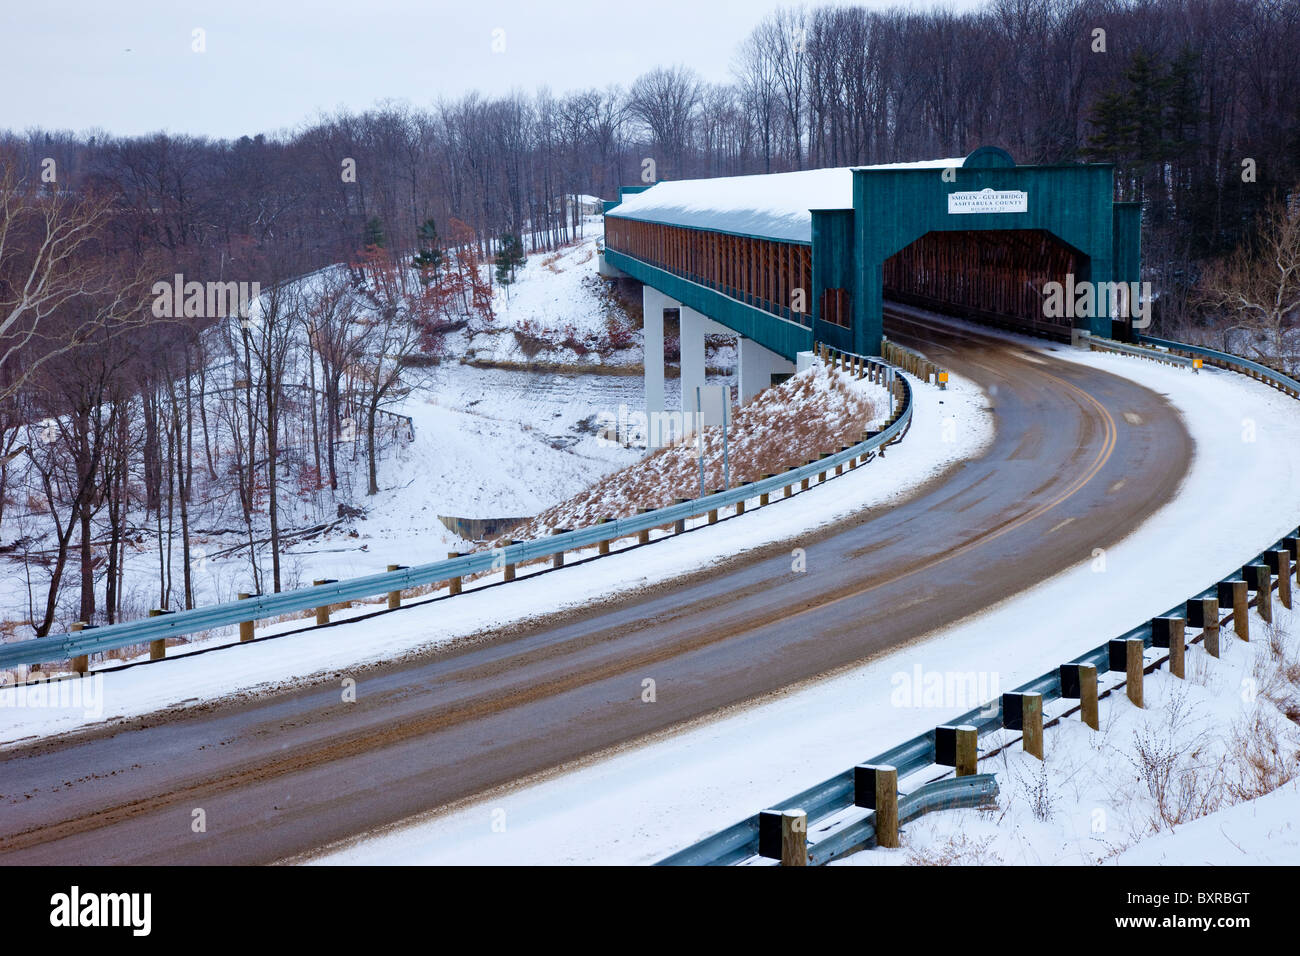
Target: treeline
[1177,93]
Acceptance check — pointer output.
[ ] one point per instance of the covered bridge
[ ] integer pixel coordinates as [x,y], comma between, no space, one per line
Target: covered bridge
[789,260]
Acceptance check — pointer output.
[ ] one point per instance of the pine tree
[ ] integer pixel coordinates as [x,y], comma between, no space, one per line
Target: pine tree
[374,233]
[429,259]
[510,256]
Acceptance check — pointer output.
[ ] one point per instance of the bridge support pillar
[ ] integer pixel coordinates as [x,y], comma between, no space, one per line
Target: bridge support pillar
[692,346]
[653,303]
[757,366]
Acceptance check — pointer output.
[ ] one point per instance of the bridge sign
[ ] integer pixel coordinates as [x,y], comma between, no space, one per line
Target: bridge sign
[988,200]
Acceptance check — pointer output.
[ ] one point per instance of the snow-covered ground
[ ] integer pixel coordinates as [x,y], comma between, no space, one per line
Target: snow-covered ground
[1205,773]
[644,802]
[950,425]
[488,443]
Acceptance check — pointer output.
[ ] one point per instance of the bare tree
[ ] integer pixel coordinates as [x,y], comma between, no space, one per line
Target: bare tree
[1258,285]
[338,341]
[665,100]
[51,256]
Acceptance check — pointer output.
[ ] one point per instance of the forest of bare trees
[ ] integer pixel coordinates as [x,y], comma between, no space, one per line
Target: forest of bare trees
[109,408]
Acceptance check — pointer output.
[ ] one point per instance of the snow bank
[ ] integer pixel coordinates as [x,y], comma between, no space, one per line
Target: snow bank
[1178,782]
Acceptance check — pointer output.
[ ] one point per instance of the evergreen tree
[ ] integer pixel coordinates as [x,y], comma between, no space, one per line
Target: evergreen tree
[374,233]
[429,259]
[510,256]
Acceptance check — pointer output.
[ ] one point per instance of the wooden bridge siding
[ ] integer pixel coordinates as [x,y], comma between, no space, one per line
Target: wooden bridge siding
[724,285]
[759,272]
[985,275]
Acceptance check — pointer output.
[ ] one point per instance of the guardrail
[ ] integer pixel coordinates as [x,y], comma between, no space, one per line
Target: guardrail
[912,361]
[953,793]
[180,623]
[740,841]
[1098,344]
[1257,371]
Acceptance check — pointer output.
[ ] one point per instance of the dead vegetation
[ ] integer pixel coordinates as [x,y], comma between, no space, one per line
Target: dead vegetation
[785,426]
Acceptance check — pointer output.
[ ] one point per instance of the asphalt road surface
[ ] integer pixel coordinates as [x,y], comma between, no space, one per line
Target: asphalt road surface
[1080,458]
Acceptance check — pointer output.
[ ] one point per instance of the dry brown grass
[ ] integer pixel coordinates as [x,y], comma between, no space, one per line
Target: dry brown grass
[958,850]
[781,428]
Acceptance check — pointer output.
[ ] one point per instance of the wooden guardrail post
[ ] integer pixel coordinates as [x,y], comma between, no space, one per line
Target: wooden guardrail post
[957,747]
[1170,633]
[679,526]
[1079,682]
[395,597]
[967,739]
[1279,562]
[740,506]
[839,469]
[875,787]
[456,583]
[1204,613]
[713,512]
[643,536]
[1234,594]
[557,559]
[1126,656]
[803,485]
[765,498]
[80,663]
[821,475]
[245,627]
[1088,709]
[510,565]
[157,649]
[1292,545]
[794,838]
[602,546]
[323,611]
[1260,580]
[1024,712]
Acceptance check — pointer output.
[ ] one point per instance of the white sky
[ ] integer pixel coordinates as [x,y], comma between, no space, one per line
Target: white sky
[127,66]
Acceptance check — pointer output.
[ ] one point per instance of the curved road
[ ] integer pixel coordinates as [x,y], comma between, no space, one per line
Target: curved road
[1080,458]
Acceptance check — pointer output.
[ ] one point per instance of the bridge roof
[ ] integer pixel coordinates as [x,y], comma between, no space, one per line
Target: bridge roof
[771,206]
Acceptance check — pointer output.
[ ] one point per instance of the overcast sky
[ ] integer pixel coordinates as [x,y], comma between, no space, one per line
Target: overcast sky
[128,67]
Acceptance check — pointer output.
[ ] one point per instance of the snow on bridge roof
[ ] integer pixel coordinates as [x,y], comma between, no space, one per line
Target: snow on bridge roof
[773,205]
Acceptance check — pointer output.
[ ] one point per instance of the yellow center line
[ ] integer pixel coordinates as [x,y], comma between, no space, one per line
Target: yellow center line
[1099,462]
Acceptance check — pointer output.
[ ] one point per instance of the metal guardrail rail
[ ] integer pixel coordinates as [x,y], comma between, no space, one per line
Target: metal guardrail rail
[953,793]
[1112,345]
[177,624]
[1270,376]
[740,840]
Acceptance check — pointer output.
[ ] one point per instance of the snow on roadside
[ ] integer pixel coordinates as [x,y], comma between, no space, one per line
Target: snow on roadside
[644,802]
[929,448]
[1205,773]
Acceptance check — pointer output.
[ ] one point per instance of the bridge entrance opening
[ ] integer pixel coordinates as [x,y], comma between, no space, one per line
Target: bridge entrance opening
[992,276]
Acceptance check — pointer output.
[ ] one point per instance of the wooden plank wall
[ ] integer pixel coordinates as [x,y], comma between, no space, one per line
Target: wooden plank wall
[985,274]
[760,272]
